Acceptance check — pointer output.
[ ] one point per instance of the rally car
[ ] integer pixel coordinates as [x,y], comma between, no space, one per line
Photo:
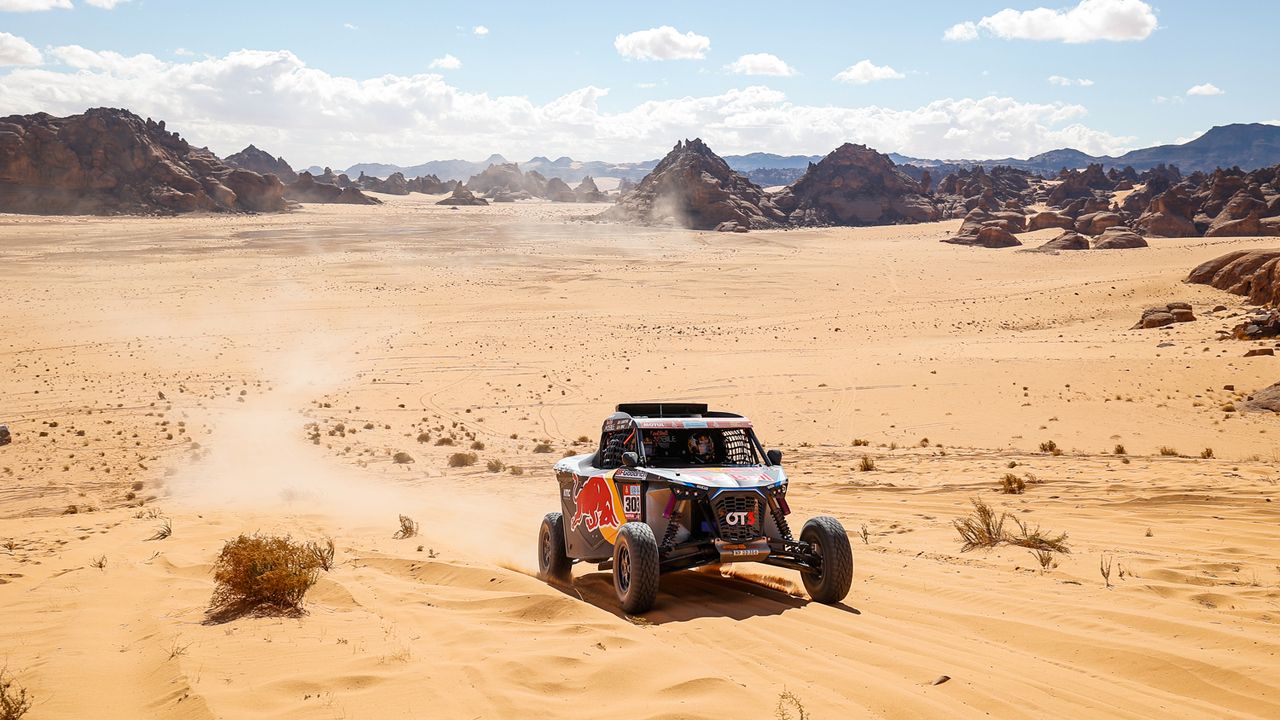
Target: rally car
[673,486]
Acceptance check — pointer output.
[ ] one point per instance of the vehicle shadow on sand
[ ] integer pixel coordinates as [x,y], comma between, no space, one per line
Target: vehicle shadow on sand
[689,595]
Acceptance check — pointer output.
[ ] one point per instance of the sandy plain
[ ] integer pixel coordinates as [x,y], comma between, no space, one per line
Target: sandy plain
[173,369]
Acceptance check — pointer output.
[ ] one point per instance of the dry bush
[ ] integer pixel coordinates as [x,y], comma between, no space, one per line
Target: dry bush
[99,562]
[865,534]
[424,437]
[1011,484]
[1167,451]
[408,528]
[444,441]
[322,553]
[1012,464]
[1119,450]
[14,700]
[164,531]
[924,442]
[1049,446]
[495,466]
[256,573]
[1207,453]
[1045,558]
[542,447]
[982,529]
[515,470]
[1104,567]
[477,445]
[1035,539]
[463,459]
[859,442]
[866,464]
[787,702]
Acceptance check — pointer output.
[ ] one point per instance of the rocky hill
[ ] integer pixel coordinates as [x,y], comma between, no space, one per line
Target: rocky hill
[693,187]
[261,162]
[855,185]
[108,161]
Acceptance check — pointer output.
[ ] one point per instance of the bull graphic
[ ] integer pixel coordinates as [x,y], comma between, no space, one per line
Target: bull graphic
[593,505]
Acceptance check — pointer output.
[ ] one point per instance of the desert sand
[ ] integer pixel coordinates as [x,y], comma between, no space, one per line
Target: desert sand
[195,370]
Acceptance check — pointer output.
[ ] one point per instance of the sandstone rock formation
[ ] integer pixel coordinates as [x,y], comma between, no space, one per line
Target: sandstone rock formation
[1118,238]
[462,196]
[558,190]
[251,158]
[989,236]
[1068,240]
[1252,273]
[588,192]
[108,161]
[428,185]
[693,187]
[1264,400]
[309,190]
[1050,219]
[395,184]
[1174,312]
[855,185]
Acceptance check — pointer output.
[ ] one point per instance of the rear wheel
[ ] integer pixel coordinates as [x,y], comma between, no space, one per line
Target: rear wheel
[635,567]
[554,564]
[829,582]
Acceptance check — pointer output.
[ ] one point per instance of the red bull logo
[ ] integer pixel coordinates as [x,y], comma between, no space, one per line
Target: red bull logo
[595,507]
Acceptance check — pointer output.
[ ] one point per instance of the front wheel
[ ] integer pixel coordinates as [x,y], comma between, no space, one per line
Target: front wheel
[554,564]
[635,567]
[829,582]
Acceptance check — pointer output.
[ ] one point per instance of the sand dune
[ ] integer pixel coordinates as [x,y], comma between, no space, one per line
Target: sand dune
[198,369]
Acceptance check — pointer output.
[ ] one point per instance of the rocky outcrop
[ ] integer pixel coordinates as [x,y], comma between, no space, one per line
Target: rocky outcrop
[855,185]
[1169,214]
[108,161]
[1224,203]
[251,158]
[1264,400]
[1097,223]
[1050,219]
[1252,273]
[429,185]
[1068,240]
[558,190]
[989,236]
[395,184]
[693,187]
[1162,315]
[307,189]
[330,178]
[508,180]
[462,196]
[1118,238]
[588,192]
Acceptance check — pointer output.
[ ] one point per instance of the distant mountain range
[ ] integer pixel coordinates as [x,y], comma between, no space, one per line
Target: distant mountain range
[1250,146]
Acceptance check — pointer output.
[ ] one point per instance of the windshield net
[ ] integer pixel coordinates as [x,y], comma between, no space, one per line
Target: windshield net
[683,447]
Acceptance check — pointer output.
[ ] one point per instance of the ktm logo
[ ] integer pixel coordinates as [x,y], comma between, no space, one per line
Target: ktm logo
[740,518]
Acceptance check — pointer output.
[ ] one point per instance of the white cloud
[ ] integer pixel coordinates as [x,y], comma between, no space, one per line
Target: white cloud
[33,5]
[1169,100]
[350,26]
[961,32]
[760,64]
[448,62]
[1066,81]
[662,43]
[106,4]
[274,100]
[865,71]
[1088,21]
[1205,89]
[480,30]
[16,51]
[183,52]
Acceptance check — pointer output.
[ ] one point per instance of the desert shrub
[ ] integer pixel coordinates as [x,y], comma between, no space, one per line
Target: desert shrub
[444,441]
[867,464]
[322,553]
[424,437]
[515,470]
[542,447]
[981,529]
[1035,539]
[463,459]
[1011,484]
[477,445]
[402,458]
[495,466]
[1048,446]
[1207,453]
[14,700]
[164,531]
[1168,451]
[1119,450]
[263,572]
[1012,464]
[924,442]
[859,442]
[788,702]
[408,528]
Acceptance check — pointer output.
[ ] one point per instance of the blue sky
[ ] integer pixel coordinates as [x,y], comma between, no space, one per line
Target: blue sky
[340,82]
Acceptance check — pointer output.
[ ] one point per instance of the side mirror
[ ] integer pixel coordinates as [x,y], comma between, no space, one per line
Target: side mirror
[630,459]
[774,456]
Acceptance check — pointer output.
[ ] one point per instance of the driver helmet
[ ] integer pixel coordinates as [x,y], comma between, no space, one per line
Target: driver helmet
[701,447]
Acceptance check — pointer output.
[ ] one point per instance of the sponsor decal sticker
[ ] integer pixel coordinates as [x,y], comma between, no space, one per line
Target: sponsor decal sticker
[740,518]
[596,507]
[630,500]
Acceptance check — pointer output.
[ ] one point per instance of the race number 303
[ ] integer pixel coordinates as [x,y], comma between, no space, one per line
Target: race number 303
[631,501]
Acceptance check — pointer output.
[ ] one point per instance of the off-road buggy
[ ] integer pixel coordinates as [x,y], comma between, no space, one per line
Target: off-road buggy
[674,486]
